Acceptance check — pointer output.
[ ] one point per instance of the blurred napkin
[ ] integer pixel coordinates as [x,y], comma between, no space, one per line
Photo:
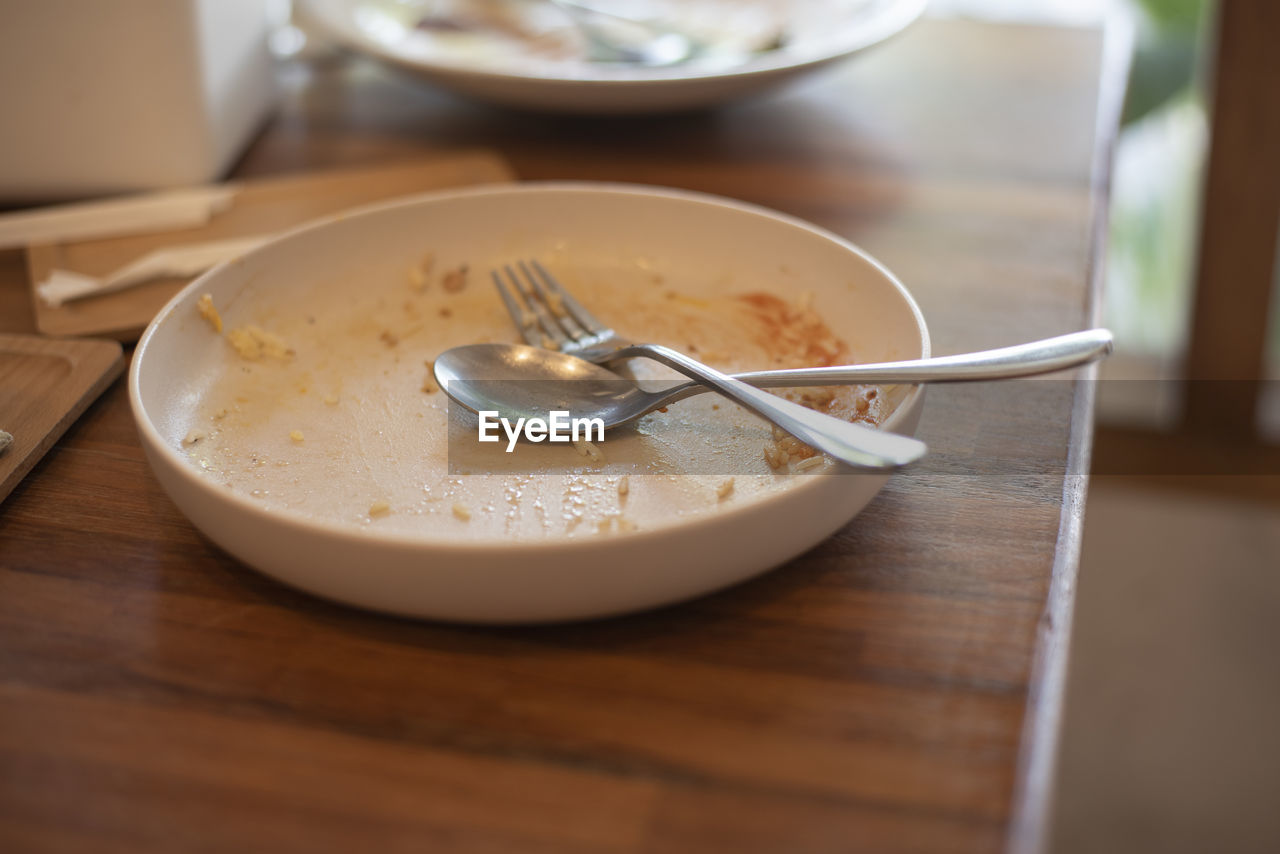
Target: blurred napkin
[187,260]
[163,211]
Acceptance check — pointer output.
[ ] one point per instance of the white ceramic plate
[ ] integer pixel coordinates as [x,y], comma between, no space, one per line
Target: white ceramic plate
[544,69]
[305,506]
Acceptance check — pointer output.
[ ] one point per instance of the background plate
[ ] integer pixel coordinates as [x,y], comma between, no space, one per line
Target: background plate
[817,32]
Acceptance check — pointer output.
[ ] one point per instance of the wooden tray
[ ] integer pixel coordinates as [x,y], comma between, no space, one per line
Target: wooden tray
[44,386]
[262,206]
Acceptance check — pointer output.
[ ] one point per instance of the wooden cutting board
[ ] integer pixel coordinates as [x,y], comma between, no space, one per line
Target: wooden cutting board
[45,384]
[260,207]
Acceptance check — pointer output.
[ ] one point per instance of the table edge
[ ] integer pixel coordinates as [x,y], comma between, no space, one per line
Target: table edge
[1031,814]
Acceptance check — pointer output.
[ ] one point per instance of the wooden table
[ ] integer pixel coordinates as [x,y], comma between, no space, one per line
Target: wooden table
[897,688]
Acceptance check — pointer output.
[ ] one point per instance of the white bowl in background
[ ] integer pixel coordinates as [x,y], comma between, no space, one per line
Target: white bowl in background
[819,32]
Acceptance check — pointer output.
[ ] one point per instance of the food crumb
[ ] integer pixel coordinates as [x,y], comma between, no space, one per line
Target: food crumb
[604,525]
[725,489]
[252,343]
[784,448]
[588,449]
[330,399]
[455,280]
[388,337]
[205,306]
[429,381]
[296,435]
[624,486]
[419,272]
[193,437]
[220,414]
[807,464]
[462,512]
[379,508]
[625,525]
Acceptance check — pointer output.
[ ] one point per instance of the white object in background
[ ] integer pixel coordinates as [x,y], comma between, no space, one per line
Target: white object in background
[187,260]
[163,211]
[127,95]
[501,72]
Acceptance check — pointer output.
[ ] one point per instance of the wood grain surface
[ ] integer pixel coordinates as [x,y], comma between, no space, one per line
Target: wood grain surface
[870,696]
[44,386]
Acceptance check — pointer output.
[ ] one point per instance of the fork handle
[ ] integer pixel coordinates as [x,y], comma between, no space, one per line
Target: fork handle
[850,443]
[1020,360]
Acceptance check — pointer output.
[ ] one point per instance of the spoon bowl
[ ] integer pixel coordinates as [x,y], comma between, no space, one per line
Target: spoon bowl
[519,381]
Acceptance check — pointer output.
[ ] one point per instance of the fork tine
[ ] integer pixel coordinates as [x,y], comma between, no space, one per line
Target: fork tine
[573,308]
[521,315]
[554,303]
[524,320]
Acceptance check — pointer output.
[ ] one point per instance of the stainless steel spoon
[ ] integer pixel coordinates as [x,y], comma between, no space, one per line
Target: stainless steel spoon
[520,381]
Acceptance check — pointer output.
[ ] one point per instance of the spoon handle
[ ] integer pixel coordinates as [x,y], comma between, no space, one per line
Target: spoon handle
[854,444]
[1021,360]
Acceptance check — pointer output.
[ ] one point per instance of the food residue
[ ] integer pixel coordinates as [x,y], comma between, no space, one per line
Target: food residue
[588,449]
[810,463]
[253,342]
[205,306]
[419,273]
[455,280]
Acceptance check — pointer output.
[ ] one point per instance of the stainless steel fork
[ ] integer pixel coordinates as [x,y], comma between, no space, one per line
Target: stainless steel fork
[549,316]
